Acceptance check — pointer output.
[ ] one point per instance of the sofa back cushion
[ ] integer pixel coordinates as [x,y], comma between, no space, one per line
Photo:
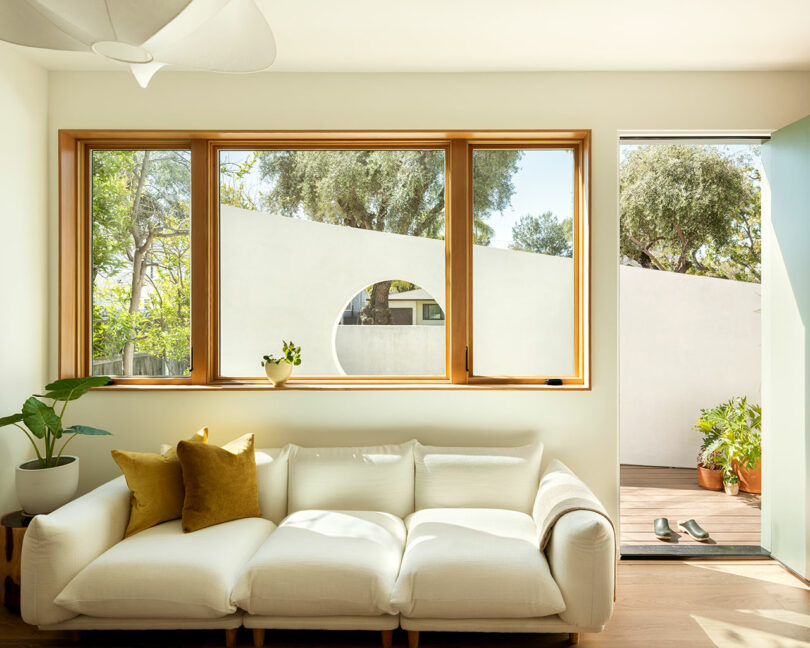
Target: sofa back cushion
[504,478]
[271,475]
[371,478]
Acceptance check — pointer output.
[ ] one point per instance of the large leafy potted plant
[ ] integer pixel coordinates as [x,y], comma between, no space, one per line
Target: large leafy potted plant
[51,480]
[732,442]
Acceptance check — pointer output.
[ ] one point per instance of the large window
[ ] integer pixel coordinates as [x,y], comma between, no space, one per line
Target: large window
[422,258]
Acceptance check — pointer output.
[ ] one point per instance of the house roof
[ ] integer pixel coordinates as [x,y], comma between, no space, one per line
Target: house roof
[420,294]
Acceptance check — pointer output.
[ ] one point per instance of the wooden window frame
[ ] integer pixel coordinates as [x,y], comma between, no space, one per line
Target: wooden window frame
[74,248]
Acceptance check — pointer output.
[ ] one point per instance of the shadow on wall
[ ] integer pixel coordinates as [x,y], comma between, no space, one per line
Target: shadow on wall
[360,436]
[14,449]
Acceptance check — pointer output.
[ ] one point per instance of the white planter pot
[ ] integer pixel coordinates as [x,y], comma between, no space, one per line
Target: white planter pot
[731,489]
[278,373]
[42,490]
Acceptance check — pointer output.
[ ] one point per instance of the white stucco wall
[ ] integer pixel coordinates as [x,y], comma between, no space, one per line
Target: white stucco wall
[391,350]
[283,278]
[686,343]
[23,257]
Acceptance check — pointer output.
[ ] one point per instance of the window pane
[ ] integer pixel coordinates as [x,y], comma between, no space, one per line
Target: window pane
[523,266]
[337,250]
[141,249]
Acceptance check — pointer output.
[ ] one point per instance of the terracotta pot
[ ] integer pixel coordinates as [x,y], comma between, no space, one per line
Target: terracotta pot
[750,480]
[710,479]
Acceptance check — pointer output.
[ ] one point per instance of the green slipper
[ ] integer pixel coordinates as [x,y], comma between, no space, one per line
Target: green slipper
[693,529]
[662,530]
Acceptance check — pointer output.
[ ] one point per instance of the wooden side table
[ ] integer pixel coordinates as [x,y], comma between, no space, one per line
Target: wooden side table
[13,529]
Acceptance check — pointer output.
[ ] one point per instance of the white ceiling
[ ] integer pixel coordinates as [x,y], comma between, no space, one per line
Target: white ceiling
[522,35]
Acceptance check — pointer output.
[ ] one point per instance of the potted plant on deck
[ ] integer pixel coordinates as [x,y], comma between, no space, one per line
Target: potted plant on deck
[278,370]
[732,442]
[51,480]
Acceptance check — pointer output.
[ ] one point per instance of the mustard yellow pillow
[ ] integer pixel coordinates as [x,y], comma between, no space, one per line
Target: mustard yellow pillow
[155,483]
[220,483]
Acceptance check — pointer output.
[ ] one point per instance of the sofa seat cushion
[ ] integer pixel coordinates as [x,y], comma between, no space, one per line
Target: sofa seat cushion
[325,563]
[165,573]
[474,563]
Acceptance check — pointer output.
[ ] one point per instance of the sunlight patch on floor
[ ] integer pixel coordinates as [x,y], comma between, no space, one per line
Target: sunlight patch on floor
[764,572]
[749,631]
[783,616]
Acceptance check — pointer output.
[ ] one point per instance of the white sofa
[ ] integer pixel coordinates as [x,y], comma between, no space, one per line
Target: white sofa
[375,538]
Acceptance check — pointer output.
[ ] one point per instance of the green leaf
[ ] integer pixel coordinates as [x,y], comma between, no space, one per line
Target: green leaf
[8,420]
[86,429]
[69,389]
[39,417]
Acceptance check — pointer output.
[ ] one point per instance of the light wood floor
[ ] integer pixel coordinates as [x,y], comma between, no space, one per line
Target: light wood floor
[648,493]
[666,604]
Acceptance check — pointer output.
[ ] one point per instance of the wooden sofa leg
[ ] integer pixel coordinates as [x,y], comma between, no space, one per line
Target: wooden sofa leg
[258,637]
[230,637]
[413,639]
[573,638]
[387,638]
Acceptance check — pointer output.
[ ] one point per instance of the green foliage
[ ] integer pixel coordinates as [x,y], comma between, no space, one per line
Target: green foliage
[141,255]
[383,190]
[687,208]
[740,257]
[402,192]
[234,186]
[544,234]
[731,435]
[42,421]
[291,354]
[69,389]
[492,187]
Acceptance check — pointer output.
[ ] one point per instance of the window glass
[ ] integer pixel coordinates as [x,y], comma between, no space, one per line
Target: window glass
[140,262]
[523,263]
[336,250]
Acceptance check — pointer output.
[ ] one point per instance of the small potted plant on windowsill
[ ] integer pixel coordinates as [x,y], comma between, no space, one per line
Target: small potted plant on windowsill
[278,370]
[51,480]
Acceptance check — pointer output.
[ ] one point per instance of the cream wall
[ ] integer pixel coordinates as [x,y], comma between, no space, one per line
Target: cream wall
[579,427]
[23,252]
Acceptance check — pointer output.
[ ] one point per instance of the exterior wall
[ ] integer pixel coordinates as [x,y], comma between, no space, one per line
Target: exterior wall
[330,261]
[581,427]
[23,253]
[392,350]
[686,343]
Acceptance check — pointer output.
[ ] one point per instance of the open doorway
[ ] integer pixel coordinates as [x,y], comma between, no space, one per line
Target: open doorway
[690,345]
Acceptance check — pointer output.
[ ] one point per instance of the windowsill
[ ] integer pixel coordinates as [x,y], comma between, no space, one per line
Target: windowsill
[391,386]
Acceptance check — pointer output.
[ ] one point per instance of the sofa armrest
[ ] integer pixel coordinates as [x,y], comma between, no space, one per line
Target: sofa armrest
[582,558]
[59,545]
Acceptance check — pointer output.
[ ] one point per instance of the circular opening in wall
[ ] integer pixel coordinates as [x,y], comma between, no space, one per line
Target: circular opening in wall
[391,328]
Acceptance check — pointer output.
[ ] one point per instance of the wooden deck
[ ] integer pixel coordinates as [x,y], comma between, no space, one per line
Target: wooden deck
[650,492]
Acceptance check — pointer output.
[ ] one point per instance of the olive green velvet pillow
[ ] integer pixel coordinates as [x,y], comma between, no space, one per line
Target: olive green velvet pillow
[155,483]
[220,483]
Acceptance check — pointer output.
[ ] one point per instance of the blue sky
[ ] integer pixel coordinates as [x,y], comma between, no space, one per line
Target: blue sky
[544,182]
